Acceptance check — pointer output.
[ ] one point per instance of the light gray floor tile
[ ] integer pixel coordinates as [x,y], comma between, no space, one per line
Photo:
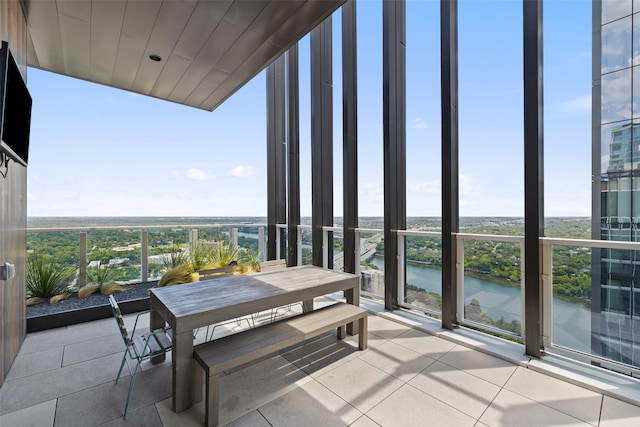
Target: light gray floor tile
[36,342]
[385,328]
[321,355]
[40,415]
[509,409]
[34,389]
[465,392]
[310,405]
[92,349]
[364,421]
[106,402]
[247,389]
[478,364]
[360,384]
[424,343]
[616,413]
[35,363]
[561,395]
[401,362]
[252,419]
[192,417]
[146,416]
[411,407]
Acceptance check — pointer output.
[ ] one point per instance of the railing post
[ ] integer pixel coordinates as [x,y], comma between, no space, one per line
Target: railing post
[82,259]
[547,294]
[193,238]
[299,241]
[233,237]
[401,269]
[459,278]
[325,249]
[144,255]
[278,234]
[261,254]
[358,254]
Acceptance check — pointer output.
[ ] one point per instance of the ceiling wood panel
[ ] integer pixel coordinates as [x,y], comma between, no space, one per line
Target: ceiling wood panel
[172,18]
[137,27]
[107,18]
[209,49]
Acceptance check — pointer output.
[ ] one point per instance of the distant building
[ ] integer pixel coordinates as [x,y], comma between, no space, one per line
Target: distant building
[615,290]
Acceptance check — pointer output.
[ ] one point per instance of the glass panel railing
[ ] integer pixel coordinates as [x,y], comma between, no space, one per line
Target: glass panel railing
[571,299]
[371,244]
[305,241]
[423,273]
[596,302]
[492,284]
[114,255]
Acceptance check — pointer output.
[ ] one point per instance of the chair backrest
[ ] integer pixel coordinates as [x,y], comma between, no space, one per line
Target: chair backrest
[276,264]
[215,273]
[120,320]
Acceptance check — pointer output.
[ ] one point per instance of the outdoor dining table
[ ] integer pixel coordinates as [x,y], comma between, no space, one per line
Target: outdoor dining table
[195,305]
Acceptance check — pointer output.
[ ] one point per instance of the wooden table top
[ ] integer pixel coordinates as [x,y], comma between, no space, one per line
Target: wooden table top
[193,305]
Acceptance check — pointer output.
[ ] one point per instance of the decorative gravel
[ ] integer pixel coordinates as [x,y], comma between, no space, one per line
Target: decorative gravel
[133,292]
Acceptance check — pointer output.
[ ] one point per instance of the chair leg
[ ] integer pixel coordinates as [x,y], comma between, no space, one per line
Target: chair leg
[124,359]
[130,394]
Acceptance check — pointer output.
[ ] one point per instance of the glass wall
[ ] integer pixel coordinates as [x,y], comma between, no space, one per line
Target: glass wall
[616,285]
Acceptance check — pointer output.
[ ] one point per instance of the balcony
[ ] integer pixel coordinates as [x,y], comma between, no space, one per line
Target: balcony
[408,376]
[413,371]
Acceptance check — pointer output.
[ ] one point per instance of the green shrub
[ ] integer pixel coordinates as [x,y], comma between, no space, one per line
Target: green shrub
[47,276]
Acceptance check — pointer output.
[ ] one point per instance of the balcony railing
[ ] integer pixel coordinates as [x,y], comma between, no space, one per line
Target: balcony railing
[488,300]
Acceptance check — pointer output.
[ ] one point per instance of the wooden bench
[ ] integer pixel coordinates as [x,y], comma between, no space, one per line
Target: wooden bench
[216,273]
[236,350]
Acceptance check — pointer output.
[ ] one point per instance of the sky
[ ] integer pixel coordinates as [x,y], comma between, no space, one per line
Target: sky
[100,151]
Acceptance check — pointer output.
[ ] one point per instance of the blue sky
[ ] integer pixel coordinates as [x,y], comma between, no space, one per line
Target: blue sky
[99,151]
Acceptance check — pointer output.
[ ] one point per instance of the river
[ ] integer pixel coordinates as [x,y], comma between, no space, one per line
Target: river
[571,321]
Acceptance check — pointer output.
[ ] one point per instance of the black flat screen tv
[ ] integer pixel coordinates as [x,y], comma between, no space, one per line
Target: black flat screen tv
[15,109]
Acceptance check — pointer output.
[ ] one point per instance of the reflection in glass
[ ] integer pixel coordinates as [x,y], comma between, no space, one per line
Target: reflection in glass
[616,45]
[606,141]
[636,38]
[636,92]
[616,96]
[615,9]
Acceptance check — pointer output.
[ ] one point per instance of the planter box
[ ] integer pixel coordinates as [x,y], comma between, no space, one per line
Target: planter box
[72,317]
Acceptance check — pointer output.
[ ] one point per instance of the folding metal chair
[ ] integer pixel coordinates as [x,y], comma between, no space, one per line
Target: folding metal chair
[138,348]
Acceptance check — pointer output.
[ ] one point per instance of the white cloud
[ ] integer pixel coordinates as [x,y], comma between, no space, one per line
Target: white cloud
[242,171]
[425,186]
[175,173]
[468,186]
[198,175]
[577,105]
[420,123]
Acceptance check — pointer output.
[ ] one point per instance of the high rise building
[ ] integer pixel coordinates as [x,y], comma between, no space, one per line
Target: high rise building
[616,172]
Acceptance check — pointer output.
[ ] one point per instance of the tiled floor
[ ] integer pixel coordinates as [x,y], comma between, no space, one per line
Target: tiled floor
[65,377]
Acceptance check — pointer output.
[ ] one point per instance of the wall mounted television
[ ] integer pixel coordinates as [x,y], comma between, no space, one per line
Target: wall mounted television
[15,109]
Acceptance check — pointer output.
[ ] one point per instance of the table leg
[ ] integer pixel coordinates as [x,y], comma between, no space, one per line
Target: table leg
[156,322]
[353,297]
[307,306]
[182,366]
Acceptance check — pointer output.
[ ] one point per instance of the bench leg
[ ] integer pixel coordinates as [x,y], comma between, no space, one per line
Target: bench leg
[342,332]
[197,382]
[213,401]
[362,337]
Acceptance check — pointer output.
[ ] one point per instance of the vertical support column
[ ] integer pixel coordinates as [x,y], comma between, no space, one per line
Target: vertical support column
[144,255]
[450,207]
[82,259]
[394,123]
[293,112]
[321,138]
[533,174]
[276,155]
[350,135]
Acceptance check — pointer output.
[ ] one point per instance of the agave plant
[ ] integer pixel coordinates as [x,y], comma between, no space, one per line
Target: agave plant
[223,254]
[100,280]
[175,276]
[47,277]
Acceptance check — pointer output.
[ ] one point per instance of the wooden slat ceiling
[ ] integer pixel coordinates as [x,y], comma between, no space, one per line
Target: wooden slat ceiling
[209,48]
